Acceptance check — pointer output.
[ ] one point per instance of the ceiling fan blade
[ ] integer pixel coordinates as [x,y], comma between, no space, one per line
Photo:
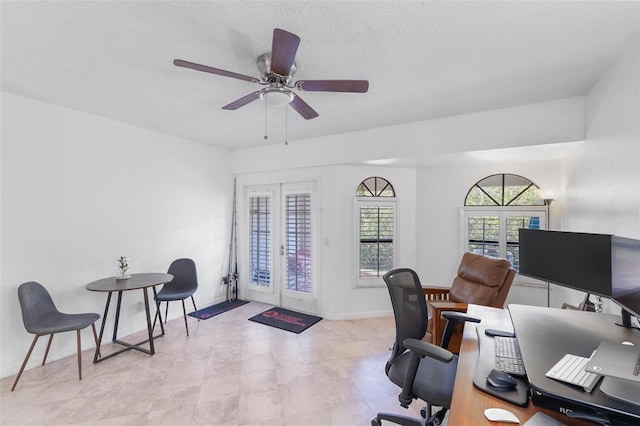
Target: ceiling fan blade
[205,68]
[283,51]
[242,101]
[355,86]
[303,108]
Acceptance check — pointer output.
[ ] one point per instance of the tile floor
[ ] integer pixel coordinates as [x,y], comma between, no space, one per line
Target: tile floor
[230,371]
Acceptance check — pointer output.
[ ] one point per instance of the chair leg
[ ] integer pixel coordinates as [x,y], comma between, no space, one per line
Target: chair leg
[166,312]
[184,312]
[194,308]
[79,355]
[24,363]
[46,352]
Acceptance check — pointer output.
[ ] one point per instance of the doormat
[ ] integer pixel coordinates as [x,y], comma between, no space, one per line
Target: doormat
[285,319]
[220,308]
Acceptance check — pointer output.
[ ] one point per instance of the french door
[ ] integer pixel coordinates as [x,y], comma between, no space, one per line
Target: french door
[280,236]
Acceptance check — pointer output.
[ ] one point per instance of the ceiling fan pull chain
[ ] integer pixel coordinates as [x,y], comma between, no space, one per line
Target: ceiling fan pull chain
[265,119]
[286,126]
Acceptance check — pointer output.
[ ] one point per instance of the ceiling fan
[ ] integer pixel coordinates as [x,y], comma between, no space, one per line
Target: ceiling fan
[277,69]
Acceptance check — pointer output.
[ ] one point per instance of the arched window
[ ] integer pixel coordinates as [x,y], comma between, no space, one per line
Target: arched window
[376,216]
[375,187]
[504,190]
[496,207]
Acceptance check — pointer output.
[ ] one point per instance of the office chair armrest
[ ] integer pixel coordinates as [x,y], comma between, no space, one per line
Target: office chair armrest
[459,317]
[436,322]
[453,319]
[423,349]
[419,349]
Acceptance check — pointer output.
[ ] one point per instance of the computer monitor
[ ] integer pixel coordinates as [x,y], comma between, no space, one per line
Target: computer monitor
[625,276]
[577,260]
[601,264]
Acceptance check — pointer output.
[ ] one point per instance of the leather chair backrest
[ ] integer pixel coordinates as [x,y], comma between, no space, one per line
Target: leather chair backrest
[482,280]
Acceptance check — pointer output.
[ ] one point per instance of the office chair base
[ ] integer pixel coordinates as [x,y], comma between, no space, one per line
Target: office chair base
[399,419]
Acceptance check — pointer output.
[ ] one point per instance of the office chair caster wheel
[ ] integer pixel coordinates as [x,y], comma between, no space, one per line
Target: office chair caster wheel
[374,422]
[423,412]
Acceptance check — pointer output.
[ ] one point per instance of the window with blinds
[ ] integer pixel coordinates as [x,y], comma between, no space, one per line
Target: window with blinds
[495,232]
[298,242]
[377,229]
[260,240]
[509,202]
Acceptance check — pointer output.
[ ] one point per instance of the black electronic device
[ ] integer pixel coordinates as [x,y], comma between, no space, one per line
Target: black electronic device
[500,379]
[492,332]
[601,264]
[577,260]
[625,276]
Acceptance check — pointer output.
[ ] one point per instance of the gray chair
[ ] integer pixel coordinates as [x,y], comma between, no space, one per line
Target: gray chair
[41,317]
[423,370]
[183,285]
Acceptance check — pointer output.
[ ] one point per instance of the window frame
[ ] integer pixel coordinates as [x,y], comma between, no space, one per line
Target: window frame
[502,212]
[311,235]
[373,282]
[250,284]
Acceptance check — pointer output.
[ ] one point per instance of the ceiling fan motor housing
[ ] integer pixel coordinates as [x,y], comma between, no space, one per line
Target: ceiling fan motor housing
[264,66]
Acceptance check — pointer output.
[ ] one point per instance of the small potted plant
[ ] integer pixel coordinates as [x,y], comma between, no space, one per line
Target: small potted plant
[123,268]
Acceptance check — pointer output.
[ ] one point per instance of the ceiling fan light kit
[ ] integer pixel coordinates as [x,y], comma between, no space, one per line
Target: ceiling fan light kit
[276,97]
[276,73]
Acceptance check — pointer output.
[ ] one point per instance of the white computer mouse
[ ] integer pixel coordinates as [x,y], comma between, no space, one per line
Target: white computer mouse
[500,415]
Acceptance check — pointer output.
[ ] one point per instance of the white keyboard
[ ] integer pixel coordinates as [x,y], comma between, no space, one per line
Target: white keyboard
[570,369]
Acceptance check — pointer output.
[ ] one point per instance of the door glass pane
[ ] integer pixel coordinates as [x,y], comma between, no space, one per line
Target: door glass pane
[298,242]
[376,240]
[513,223]
[484,235]
[260,240]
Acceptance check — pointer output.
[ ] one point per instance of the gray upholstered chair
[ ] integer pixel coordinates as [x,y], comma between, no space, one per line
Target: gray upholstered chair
[41,317]
[183,285]
[423,370]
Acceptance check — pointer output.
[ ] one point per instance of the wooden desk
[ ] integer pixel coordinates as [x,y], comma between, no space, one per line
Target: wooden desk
[468,403]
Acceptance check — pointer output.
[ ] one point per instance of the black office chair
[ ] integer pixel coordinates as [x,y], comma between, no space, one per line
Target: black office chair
[423,370]
[183,285]
[41,317]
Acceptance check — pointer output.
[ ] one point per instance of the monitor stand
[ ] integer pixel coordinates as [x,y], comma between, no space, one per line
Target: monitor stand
[587,304]
[624,390]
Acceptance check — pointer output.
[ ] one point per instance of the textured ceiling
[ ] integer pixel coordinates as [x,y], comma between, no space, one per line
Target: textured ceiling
[423,59]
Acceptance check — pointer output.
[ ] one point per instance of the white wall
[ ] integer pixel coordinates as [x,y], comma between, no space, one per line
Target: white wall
[534,124]
[603,177]
[80,190]
[430,197]
[441,194]
[337,296]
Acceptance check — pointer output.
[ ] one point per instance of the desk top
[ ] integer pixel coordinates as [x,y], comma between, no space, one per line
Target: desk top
[468,403]
[137,281]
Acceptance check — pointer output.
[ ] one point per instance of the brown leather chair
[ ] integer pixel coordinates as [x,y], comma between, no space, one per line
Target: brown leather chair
[481,280]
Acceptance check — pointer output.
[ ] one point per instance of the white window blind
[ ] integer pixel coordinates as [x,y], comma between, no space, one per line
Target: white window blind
[377,243]
[494,232]
[298,242]
[260,240]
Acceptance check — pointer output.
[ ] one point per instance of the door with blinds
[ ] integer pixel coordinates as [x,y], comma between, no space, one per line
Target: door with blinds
[281,248]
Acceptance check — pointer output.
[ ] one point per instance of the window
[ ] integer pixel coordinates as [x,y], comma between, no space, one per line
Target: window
[260,240]
[298,242]
[503,190]
[376,218]
[495,208]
